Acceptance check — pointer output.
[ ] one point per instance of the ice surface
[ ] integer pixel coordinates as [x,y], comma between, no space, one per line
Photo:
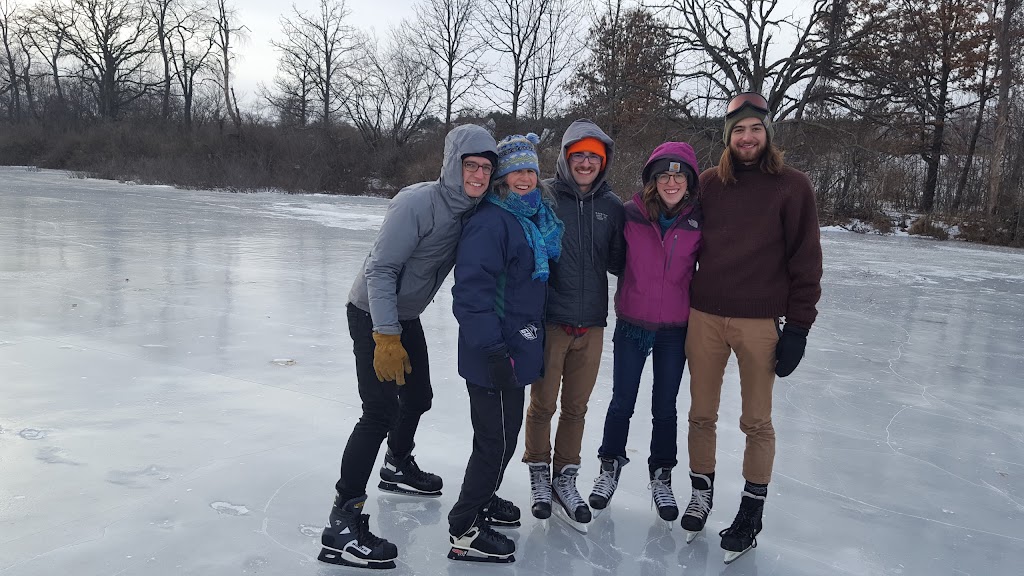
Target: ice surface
[176,389]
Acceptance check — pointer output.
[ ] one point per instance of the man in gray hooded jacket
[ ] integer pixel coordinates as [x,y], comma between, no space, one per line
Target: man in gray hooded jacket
[410,259]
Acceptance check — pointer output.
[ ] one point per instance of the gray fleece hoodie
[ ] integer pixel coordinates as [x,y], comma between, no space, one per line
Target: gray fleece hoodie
[415,248]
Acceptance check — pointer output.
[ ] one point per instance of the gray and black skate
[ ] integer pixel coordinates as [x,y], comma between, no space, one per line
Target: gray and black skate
[403,476]
[662,496]
[606,483]
[540,490]
[347,540]
[702,497]
[569,505]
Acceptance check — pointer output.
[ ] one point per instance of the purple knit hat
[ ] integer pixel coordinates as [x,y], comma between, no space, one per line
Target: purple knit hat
[673,157]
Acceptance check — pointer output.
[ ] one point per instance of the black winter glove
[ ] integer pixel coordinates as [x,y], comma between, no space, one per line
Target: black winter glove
[790,349]
[501,371]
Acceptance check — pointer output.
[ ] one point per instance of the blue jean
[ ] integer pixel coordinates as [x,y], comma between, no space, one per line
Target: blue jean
[669,360]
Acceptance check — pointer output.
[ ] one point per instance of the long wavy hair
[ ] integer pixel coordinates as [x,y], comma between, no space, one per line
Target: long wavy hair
[772,162]
[655,205]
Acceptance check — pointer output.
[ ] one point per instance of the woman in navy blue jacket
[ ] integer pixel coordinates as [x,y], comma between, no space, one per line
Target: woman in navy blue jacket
[501,272]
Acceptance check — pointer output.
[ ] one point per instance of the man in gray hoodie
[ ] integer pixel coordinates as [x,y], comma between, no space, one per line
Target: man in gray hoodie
[410,259]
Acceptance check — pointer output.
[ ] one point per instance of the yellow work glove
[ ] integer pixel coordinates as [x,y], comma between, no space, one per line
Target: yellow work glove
[390,360]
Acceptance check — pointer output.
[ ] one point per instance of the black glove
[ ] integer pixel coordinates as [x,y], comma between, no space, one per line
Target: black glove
[501,371]
[790,349]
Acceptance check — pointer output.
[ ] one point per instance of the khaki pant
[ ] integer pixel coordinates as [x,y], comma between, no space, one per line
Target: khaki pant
[570,364]
[709,340]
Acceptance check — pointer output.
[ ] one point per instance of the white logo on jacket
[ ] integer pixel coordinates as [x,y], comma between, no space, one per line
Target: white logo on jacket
[530,331]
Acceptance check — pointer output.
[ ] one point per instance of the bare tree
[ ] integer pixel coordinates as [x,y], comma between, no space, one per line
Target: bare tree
[316,46]
[189,46]
[12,58]
[559,47]
[226,30]
[738,45]
[449,48]
[46,32]
[391,98]
[1008,60]
[292,93]
[513,29]
[112,40]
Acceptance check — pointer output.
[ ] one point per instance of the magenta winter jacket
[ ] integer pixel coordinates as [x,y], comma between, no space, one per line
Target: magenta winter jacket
[654,289]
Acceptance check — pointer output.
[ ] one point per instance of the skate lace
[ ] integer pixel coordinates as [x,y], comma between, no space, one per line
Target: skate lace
[540,484]
[605,484]
[742,526]
[700,503]
[501,507]
[412,470]
[363,534]
[661,493]
[565,485]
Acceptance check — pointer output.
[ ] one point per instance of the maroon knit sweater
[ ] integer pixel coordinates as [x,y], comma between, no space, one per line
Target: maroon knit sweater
[761,252]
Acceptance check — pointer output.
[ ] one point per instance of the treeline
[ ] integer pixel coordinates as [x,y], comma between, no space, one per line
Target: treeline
[894,107]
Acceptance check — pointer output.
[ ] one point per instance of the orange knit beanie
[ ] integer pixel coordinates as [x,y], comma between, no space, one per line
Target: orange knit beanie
[589,144]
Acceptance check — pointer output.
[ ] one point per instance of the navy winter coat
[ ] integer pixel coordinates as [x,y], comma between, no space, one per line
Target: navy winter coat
[498,304]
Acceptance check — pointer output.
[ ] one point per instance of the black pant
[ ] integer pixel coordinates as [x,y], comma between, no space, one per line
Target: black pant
[388,409]
[497,418]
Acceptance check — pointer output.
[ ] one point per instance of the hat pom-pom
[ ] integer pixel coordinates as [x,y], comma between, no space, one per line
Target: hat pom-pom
[533,138]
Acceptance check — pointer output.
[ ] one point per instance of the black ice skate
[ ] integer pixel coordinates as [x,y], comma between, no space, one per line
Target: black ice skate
[662,496]
[540,490]
[569,505]
[347,540]
[501,513]
[606,483]
[702,496]
[742,535]
[482,544]
[405,477]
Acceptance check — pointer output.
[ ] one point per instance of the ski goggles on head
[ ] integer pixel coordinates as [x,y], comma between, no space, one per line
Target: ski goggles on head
[747,100]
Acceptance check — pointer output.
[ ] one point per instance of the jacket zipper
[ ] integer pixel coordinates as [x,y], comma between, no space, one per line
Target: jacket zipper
[579,229]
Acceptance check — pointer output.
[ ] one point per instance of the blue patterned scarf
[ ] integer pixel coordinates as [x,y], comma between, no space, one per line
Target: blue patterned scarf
[543,229]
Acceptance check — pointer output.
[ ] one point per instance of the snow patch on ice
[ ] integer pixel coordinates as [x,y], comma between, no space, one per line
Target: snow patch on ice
[329,215]
[229,509]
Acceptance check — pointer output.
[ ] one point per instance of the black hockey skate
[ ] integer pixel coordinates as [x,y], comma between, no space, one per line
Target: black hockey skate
[742,535]
[405,477]
[662,496]
[501,513]
[481,543]
[606,483]
[702,497]
[569,505]
[347,540]
[540,490]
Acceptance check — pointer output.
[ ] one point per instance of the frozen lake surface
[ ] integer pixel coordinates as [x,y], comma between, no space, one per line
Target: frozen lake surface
[176,388]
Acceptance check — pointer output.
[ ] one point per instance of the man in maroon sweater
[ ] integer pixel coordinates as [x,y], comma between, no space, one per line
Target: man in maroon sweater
[760,261]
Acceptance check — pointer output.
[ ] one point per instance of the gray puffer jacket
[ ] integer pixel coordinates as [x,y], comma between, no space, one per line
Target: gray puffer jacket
[415,248]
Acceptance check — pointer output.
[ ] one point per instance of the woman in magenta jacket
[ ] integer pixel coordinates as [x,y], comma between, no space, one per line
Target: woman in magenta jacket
[652,307]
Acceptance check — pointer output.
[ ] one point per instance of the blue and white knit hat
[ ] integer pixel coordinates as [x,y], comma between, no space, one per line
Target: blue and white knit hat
[517,152]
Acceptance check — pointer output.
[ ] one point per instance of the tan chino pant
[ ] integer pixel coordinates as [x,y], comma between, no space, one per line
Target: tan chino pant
[709,341]
[570,366]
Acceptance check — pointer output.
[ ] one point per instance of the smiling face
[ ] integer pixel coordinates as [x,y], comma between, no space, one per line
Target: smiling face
[522,182]
[748,140]
[476,175]
[584,168]
[671,188]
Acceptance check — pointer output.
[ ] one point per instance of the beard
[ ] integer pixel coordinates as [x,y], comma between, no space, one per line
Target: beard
[748,155]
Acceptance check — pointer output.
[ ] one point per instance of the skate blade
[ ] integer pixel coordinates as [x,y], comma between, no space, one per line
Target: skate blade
[469,555]
[338,559]
[691,536]
[504,525]
[669,524]
[597,511]
[731,556]
[561,514]
[406,490]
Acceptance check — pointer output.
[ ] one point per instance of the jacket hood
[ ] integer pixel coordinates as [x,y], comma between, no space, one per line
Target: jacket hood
[674,151]
[466,140]
[578,130]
